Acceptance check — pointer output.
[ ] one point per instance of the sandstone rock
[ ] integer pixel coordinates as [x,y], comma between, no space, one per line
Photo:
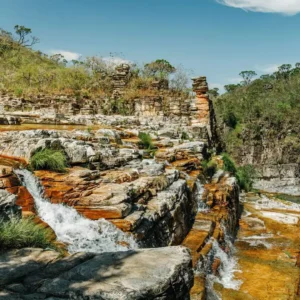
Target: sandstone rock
[122,276]
[37,274]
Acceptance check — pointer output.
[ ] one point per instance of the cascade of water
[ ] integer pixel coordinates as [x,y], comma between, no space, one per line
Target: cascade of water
[200,189]
[71,228]
[224,272]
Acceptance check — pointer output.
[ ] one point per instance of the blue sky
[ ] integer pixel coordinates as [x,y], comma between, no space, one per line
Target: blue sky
[213,39]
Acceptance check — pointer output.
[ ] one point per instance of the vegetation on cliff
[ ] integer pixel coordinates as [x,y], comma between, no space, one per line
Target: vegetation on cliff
[16,234]
[48,159]
[267,107]
[245,175]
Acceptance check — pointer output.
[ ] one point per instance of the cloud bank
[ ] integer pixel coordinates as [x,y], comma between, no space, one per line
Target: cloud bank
[287,7]
[68,55]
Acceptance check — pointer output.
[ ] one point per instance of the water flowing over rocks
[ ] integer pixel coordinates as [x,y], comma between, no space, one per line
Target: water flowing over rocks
[139,221]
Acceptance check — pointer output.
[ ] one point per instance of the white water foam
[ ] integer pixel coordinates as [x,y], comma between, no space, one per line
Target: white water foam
[227,268]
[199,193]
[71,228]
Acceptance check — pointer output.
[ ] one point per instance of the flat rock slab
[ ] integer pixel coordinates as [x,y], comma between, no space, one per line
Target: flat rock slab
[159,273]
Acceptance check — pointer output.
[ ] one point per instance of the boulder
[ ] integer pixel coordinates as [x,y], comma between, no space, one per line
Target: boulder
[8,207]
[106,276]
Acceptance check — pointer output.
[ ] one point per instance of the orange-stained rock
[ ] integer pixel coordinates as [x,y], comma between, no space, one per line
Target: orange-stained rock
[25,199]
[106,212]
[198,290]
[122,224]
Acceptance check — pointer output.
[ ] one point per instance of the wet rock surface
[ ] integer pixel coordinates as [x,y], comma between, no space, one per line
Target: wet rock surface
[267,250]
[30,273]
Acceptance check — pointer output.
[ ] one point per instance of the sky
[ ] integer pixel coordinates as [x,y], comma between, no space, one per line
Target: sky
[213,38]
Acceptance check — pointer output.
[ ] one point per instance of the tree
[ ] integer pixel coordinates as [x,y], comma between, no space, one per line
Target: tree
[284,71]
[160,69]
[180,79]
[214,92]
[267,77]
[22,33]
[247,77]
[229,88]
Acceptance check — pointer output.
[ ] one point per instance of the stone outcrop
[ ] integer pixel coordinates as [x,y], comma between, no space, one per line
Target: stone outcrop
[10,193]
[162,273]
[146,198]
[8,207]
[275,156]
[202,113]
[120,78]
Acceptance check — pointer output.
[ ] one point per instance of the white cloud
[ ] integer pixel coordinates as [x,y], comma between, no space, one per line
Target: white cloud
[267,68]
[68,55]
[287,7]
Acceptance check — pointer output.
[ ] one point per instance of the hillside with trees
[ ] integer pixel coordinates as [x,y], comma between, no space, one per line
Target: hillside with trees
[261,112]
[26,72]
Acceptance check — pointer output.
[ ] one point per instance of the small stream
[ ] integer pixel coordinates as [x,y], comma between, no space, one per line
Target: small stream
[71,228]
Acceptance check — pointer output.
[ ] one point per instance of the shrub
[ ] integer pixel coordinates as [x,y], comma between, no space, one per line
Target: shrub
[184,135]
[230,119]
[229,164]
[209,167]
[48,159]
[245,176]
[22,233]
[146,140]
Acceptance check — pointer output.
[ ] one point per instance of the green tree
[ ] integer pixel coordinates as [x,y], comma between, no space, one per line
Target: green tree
[214,92]
[22,33]
[247,77]
[160,68]
[229,88]
[284,71]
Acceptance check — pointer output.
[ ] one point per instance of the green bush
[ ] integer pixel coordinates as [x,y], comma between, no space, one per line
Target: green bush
[146,140]
[15,234]
[245,176]
[48,159]
[209,168]
[229,164]
[184,136]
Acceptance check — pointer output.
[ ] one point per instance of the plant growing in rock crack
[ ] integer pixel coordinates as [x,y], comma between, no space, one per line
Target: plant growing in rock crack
[48,159]
[160,182]
[146,140]
[132,193]
[185,136]
[209,167]
[89,130]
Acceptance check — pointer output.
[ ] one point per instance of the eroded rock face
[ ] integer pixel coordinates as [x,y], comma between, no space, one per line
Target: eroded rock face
[8,201]
[163,273]
[8,207]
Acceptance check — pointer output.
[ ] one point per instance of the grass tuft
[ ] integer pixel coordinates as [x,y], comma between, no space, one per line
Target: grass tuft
[16,234]
[48,159]
[146,140]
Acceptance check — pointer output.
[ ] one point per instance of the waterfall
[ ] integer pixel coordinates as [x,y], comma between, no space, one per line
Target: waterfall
[225,272]
[71,228]
[200,189]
